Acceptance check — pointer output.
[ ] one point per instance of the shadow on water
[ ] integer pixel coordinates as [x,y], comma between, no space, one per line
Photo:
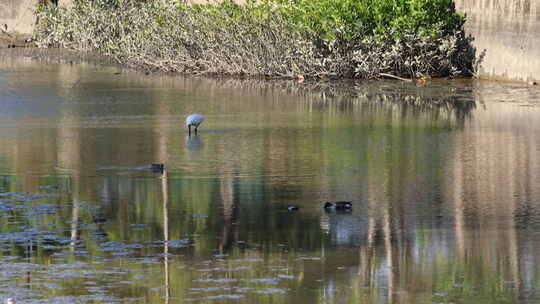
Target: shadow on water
[445,195]
[435,98]
[438,99]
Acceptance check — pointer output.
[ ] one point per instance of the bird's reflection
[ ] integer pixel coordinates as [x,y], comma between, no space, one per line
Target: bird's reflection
[194,143]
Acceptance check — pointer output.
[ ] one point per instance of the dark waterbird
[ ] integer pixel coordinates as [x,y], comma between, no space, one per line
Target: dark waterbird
[157,168]
[338,206]
[292,208]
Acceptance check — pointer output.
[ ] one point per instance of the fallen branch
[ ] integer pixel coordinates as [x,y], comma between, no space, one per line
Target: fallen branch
[395,77]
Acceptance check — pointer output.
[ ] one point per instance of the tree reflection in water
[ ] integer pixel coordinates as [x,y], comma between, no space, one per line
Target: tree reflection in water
[444,193]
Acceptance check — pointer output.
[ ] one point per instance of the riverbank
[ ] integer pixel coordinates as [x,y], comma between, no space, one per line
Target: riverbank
[506,30]
[304,39]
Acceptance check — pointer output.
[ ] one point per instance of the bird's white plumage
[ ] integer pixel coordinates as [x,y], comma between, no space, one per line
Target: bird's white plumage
[194,120]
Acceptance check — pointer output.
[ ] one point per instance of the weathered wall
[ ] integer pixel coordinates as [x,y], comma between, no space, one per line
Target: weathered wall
[17,15]
[510,32]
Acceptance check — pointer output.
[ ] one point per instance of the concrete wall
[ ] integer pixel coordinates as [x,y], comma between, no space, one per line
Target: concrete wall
[510,32]
[17,14]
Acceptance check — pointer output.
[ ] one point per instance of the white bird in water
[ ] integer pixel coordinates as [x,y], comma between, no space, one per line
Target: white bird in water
[194,120]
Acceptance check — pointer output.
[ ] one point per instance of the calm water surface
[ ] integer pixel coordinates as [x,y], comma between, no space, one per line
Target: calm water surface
[444,180]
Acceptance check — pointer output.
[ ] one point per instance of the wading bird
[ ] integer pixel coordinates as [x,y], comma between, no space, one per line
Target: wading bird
[194,120]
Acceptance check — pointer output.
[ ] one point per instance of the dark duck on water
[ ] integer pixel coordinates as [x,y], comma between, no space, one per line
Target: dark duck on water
[338,206]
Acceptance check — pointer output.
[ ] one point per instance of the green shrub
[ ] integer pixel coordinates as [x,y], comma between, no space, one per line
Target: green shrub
[358,18]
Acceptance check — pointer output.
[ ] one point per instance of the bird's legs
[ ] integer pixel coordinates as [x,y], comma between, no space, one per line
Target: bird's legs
[189,130]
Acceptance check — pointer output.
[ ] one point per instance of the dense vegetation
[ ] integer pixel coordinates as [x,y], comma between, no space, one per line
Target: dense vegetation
[283,38]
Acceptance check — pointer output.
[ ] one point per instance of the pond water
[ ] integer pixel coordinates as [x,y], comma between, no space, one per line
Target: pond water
[444,179]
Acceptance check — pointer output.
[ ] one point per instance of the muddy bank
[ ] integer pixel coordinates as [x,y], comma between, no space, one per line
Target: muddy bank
[27,52]
[14,40]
